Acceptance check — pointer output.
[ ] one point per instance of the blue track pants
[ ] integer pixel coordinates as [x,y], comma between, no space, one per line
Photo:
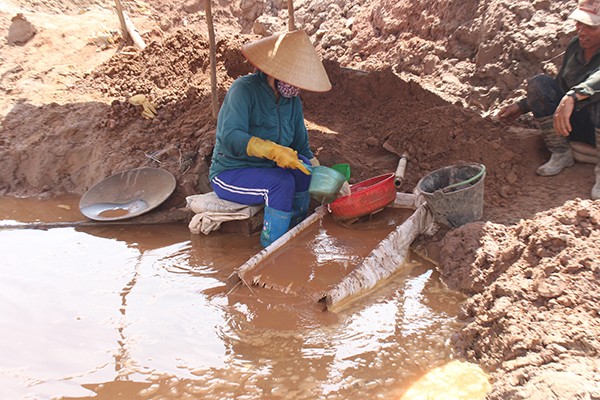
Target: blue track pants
[273,187]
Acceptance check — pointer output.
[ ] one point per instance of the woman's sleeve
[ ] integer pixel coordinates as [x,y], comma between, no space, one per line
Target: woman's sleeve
[234,119]
[300,142]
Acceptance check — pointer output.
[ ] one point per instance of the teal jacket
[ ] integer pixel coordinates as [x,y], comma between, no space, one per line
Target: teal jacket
[250,109]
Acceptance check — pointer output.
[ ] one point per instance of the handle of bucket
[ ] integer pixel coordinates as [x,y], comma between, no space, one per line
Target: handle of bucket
[471,179]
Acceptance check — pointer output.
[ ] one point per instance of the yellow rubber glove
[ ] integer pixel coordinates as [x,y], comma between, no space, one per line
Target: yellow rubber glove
[149,111]
[283,156]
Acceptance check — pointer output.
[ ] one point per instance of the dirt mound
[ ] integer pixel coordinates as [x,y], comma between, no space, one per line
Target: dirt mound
[174,74]
[166,69]
[533,314]
[379,111]
[478,53]
[475,52]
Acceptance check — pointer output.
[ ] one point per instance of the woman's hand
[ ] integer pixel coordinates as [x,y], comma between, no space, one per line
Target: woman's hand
[283,156]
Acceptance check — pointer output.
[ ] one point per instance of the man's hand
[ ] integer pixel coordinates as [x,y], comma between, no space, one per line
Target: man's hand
[562,116]
[509,112]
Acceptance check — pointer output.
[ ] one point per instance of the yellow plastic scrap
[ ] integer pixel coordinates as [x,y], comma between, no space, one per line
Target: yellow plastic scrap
[149,111]
[456,380]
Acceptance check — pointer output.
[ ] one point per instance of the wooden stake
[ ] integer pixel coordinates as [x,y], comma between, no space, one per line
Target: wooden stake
[213,58]
[121,19]
[292,24]
[128,28]
[133,33]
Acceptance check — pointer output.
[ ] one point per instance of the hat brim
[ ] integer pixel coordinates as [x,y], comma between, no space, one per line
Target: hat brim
[585,17]
[291,58]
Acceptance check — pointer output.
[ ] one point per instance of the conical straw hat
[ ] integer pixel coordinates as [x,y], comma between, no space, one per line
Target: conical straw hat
[291,58]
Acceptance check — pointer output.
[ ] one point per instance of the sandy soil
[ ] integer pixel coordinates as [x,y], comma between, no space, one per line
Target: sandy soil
[422,81]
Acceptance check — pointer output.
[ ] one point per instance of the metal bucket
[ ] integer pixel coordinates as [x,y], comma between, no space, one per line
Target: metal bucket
[454,194]
[127,194]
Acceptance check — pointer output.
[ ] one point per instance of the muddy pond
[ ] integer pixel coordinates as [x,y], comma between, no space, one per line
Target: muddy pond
[142,311]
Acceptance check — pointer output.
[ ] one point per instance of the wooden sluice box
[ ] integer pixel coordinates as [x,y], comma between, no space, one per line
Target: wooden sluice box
[330,261]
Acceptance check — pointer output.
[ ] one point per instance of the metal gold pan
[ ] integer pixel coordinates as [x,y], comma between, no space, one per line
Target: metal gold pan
[127,194]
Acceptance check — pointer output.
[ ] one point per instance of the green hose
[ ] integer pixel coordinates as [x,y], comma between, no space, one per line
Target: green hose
[473,178]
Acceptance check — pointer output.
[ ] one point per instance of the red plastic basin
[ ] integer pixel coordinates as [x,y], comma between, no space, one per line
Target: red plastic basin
[365,197]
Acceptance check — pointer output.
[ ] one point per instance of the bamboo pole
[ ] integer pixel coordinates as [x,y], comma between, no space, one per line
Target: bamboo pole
[291,24]
[389,257]
[128,28]
[239,274]
[133,33]
[154,218]
[213,58]
[121,19]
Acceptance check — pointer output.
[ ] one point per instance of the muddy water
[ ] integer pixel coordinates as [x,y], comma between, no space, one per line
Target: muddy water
[143,312]
[324,253]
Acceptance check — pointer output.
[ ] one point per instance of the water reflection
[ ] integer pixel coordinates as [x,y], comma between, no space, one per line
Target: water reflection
[59,310]
[142,312]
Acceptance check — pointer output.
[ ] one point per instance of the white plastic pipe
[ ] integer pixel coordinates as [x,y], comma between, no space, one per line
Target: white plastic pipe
[399,174]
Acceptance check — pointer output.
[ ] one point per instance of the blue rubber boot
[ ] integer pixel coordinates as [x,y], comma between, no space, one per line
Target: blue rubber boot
[275,224]
[299,208]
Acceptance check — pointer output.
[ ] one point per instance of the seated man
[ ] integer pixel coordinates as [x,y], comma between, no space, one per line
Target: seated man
[567,107]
